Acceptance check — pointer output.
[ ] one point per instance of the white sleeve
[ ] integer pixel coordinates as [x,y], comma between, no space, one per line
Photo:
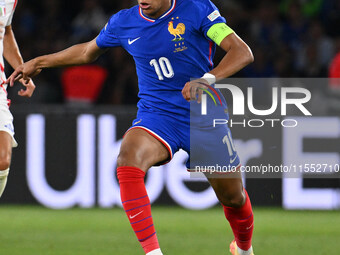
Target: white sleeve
[9,21]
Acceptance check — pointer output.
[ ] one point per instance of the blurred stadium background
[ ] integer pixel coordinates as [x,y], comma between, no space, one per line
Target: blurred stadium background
[70,130]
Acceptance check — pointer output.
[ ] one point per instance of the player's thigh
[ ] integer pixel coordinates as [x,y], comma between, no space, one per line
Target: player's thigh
[5,150]
[142,150]
[229,189]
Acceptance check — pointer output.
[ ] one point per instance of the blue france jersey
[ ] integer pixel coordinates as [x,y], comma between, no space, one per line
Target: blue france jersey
[168,51]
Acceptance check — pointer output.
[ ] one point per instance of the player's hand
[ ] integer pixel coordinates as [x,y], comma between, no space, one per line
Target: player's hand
[29,88]
[25,71]
[193,90]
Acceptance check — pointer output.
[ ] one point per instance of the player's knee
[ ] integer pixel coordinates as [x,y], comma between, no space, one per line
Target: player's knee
[129,158]
[235,199]
[122,159]
[5,162]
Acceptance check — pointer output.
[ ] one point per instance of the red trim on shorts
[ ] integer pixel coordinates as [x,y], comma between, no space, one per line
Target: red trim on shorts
[155,136]
[15,4]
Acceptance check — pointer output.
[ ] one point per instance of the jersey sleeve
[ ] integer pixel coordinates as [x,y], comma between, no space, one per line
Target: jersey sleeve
[108,37]
[208,15]
[9,21]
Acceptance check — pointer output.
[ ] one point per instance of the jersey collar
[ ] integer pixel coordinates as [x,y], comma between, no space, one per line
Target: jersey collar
[161,17]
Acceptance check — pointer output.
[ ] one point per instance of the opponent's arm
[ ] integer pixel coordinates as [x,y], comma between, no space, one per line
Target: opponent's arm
[11,49]
[14,58]
[78,54]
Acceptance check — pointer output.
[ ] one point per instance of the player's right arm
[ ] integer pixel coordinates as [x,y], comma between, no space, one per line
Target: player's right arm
[78,54]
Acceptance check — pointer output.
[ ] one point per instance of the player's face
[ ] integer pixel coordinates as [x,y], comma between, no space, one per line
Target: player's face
[154,8]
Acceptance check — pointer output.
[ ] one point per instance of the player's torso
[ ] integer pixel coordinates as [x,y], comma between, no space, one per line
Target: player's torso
[167,51]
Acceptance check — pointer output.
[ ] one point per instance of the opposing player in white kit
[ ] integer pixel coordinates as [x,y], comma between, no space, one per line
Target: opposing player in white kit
[8,49]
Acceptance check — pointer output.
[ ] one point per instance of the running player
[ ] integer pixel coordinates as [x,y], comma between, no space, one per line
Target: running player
[171,42]
[8,49]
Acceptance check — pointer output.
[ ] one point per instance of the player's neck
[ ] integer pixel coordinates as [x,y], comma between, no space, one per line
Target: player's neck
[164,8]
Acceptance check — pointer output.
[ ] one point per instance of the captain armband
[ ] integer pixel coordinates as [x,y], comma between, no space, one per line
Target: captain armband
[218,32]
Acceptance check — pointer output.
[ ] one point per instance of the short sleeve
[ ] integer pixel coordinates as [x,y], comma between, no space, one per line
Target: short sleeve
[9,21]
[107,37]
[208,15]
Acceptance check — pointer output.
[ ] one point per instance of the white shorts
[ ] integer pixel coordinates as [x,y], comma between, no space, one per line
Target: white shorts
[6,121]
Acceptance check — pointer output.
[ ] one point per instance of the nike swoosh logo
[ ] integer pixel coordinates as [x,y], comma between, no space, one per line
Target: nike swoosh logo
[250,227]
[134,216]
[136,122]
[131,42]
[232,160]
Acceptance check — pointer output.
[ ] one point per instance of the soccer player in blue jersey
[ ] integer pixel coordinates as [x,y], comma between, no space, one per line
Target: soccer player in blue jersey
[171,42]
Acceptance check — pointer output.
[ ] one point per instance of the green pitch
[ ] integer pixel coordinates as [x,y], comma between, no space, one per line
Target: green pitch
[40,231]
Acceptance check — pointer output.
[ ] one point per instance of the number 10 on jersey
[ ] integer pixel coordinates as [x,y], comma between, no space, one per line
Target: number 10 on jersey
[163,68]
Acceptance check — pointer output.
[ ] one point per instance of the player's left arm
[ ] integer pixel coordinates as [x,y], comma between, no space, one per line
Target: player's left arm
[13,56]
[238,55]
